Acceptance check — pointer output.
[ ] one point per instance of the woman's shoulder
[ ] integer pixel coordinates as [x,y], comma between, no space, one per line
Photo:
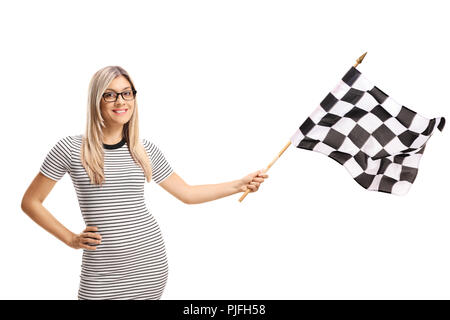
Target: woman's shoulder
[150,146]
[147,142]
[71,141]
[76,138]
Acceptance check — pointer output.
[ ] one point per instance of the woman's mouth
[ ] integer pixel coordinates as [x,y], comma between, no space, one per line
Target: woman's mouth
[120,112]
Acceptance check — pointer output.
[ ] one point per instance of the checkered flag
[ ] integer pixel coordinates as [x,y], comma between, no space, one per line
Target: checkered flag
[378,141]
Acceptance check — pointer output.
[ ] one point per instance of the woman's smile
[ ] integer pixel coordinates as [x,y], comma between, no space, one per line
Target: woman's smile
[120,112]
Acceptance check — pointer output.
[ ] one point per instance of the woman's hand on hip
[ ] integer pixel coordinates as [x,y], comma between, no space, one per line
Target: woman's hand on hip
[86,239]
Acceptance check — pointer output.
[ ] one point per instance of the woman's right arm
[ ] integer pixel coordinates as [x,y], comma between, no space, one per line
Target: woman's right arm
[32,205]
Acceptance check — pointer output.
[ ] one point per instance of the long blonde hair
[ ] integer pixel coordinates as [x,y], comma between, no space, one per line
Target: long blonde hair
[92,154]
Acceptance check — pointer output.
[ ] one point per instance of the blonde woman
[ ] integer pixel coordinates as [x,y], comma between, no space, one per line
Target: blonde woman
[123,249]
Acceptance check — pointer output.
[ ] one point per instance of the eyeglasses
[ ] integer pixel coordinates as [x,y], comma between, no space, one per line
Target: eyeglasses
[126,95]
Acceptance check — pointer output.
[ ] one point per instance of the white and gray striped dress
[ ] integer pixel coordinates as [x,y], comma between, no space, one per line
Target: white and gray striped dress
[130,262]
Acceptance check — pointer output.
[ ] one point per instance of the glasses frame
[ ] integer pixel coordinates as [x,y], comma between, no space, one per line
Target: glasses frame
[121,94]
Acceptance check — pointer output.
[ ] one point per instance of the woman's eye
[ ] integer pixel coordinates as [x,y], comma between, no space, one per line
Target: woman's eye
[127,93]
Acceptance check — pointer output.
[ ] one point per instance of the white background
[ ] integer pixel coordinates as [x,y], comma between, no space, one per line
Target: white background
[222,85]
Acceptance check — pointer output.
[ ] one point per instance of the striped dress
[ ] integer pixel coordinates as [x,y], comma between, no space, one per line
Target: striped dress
[130,262]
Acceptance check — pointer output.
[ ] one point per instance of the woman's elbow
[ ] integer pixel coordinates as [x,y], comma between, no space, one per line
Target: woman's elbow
[25,204]
[189,196]
[187,200]
[186,195]
[28,202]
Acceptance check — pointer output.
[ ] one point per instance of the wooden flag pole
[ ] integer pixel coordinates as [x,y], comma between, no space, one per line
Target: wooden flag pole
[358,61]
[268,167]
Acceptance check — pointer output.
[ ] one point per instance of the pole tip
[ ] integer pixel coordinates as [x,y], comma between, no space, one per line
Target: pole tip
[360,59]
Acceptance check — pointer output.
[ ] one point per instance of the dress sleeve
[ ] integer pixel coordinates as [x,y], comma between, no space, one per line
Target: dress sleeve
[58,160]
[161,168]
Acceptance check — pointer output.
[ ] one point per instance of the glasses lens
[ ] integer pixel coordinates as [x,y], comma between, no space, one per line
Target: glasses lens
[110,96]
[128,95]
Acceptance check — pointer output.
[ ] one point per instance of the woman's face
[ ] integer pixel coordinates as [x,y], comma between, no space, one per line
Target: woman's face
[120,111]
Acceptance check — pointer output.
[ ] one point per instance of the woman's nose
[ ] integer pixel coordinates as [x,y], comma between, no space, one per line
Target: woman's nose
[120,100]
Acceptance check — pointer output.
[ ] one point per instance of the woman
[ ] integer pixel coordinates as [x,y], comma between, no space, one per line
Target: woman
[123,249]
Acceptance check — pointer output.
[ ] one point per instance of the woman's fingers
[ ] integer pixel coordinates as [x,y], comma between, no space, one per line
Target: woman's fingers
[253,186]
[86,239]
[91,235]
[254,180]
[85,246]
[87,242]
[90,240]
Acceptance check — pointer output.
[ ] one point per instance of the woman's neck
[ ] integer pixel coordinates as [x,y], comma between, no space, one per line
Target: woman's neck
[112,135]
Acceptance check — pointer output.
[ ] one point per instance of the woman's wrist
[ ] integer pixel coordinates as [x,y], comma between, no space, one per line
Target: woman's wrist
[237,185]
[68,239]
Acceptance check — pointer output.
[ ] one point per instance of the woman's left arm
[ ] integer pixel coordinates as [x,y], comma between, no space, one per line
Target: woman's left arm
[208,192]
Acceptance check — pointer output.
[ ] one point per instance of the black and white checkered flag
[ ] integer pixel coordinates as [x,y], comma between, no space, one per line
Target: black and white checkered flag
[378,141]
